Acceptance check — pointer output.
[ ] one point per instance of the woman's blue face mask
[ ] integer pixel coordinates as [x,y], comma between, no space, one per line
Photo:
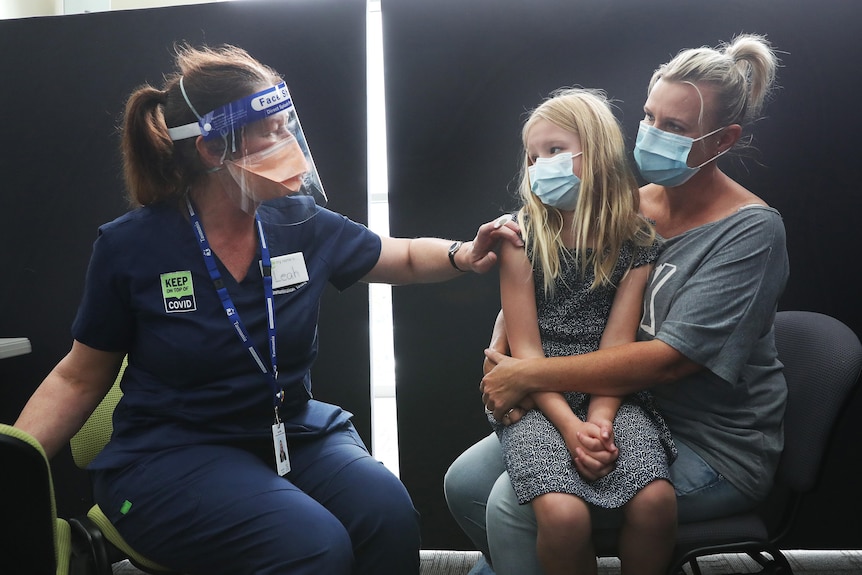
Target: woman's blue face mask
[554,182]
[662,157]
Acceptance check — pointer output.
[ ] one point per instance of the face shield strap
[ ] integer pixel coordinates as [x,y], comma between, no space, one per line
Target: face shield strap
[230,117]
[186,98]
[189,130]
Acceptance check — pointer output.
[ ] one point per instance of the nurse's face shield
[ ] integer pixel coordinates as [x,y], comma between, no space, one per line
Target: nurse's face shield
[267,166]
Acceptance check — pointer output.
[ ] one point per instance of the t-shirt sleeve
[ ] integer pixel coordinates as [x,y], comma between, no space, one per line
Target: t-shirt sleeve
[352,250]
[727,304]
[647,254]
[104,320]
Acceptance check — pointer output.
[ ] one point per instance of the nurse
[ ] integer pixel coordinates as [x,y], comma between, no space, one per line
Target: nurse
[221,461]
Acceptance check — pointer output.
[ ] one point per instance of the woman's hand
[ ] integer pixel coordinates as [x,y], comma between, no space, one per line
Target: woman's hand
[515,414]
[500,343]
[501,387]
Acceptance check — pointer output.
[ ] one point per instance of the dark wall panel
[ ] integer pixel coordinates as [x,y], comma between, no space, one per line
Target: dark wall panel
[65,82]
[460,78]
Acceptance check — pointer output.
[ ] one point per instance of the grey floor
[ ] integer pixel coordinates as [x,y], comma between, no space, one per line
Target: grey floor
[803,563]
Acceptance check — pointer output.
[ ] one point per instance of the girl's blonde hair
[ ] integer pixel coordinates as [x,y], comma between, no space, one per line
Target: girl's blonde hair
[606,214]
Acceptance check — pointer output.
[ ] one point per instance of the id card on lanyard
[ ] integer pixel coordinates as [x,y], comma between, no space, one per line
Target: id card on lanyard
[279,437]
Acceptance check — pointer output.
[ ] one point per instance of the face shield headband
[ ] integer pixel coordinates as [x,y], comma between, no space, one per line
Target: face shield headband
[277,177]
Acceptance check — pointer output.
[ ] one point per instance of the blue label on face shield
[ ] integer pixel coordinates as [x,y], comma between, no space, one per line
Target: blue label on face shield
[276,96]
[222,121]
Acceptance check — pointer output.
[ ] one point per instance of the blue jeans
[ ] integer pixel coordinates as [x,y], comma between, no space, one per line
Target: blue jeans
[482,501]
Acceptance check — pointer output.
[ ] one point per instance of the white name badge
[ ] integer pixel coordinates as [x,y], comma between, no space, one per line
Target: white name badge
[288,270]
[279,442]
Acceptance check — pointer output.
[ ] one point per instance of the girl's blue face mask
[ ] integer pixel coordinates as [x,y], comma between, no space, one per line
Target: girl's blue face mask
[554,182]
[662,157]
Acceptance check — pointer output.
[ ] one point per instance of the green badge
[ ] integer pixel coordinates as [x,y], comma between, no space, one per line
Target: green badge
[178,292]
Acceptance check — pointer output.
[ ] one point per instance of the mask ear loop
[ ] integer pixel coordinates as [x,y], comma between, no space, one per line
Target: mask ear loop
[700,121]
[700,97]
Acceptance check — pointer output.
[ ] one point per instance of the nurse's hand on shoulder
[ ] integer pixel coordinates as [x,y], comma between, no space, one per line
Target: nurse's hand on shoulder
[482,254]
[423,260]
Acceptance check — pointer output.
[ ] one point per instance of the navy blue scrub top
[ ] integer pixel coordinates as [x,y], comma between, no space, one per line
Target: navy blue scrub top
[190,380]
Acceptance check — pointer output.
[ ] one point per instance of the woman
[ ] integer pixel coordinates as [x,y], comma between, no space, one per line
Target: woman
[221,461]
[705,344]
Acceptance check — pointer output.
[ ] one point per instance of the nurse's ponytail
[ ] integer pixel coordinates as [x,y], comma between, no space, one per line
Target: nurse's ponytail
[150,164]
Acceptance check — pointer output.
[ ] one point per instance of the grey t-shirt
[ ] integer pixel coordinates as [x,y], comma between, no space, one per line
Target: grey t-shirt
[713,296]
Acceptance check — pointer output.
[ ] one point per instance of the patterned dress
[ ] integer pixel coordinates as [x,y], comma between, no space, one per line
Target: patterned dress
[535,454]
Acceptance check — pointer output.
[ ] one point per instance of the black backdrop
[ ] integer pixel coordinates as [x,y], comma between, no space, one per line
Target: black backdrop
[65,80]
[460,78]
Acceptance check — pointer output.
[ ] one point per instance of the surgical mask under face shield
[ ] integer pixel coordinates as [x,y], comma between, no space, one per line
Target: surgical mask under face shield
[267,166]
[277,180]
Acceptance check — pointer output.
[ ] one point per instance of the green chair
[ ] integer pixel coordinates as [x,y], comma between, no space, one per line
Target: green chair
[37,541]
[106,544]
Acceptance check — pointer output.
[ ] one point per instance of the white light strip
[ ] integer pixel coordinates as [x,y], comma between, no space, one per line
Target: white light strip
[383,409]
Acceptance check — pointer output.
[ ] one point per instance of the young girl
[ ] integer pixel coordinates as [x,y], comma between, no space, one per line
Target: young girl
[577,286]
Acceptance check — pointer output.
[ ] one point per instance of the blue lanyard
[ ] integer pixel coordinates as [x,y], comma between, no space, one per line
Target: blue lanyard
[232,313]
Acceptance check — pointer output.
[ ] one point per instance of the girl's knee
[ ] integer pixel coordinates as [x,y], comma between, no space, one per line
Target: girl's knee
[659,495]
[654,504]
[562,513]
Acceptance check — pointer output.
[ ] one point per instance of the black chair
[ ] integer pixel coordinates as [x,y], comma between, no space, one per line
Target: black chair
[36,540]
[822,359]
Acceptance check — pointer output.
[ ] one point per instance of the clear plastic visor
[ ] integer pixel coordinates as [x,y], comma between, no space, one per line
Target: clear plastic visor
[268,169]
[267,166]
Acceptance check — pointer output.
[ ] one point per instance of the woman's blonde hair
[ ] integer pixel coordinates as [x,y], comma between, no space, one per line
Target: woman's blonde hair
[742,73]
[606,214]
